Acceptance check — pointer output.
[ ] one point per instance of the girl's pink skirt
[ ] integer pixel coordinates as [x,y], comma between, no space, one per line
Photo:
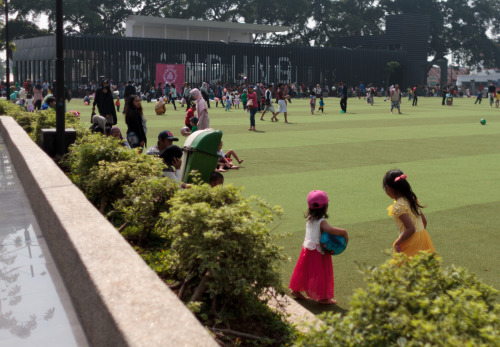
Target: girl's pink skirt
[313,274]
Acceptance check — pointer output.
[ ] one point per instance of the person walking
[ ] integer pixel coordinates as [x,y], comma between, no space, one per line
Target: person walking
[408,215]
[343,97]
[281,103]
[201,109]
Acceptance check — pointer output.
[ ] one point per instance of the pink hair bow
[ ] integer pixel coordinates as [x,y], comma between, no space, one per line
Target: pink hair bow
[402,177]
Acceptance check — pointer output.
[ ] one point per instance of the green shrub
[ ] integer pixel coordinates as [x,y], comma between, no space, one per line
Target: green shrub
[221,249]
[414,303]
[107,180]
[143,202]
[34,122]
[87,152]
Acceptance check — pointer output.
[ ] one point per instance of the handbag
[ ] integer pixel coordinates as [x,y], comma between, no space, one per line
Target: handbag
[250,102]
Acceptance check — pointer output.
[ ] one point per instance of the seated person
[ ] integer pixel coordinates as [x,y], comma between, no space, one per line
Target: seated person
[225,161]
[49,103]
[160,107]
[216,179]
[165,139]
[194,124]
[189,115]
[172,157]
[117,134]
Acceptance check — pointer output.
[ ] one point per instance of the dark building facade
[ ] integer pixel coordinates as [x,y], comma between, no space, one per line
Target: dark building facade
[126,58]
[406,32]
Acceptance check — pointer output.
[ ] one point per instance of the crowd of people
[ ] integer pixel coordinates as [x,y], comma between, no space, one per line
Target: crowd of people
[313,273]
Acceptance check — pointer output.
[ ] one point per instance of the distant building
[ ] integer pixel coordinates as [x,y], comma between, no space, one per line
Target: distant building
[480,79]
[214,51]
[197,30]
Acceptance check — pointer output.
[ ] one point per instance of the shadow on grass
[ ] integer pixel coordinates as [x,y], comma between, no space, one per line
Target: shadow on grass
[316,308]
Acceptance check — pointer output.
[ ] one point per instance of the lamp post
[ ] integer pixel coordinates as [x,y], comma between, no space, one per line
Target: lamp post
[60,101]
[7,65]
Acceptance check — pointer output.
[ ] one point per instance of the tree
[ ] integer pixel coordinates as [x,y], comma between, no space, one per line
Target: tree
[390,68]
[92,17]
[458,27]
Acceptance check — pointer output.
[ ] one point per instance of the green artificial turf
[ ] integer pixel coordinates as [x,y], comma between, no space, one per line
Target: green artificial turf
[452,163]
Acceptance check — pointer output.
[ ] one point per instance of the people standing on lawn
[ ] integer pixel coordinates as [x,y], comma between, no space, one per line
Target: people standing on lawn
[312,102]
[396,99]
[251,106]
[492,91]
[268,103]
[479,97]
[134,117]
[321,105]
[313,273]
[407,212]
[415,97]
[343,97]
[173,95]
[281,103]
[201,108]
[105,103]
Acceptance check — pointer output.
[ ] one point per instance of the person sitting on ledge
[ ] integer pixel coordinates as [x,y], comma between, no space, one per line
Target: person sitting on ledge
[165,139]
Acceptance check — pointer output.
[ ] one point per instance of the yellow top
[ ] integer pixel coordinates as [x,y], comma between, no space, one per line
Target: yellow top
[400,207]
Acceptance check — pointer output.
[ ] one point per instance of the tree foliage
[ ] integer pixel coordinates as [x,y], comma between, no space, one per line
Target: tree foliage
[414,302]
[458,27]
[92,17]
[468,29]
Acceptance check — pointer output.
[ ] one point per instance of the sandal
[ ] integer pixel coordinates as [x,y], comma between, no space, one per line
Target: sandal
[328,302]
[298,295]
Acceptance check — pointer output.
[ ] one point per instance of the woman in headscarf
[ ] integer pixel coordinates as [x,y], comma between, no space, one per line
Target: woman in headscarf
[104,102]
[204,93]
[38,95]
[201,108]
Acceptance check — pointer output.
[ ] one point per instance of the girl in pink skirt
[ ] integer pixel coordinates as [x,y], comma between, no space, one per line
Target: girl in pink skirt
[313,273]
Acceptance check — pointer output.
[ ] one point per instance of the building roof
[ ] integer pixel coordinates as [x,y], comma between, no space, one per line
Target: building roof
[176,23]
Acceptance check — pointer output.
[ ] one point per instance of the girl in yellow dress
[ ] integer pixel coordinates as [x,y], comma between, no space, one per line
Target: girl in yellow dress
[408,215]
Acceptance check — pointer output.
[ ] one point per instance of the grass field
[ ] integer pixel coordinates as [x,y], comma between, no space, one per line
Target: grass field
[452,163]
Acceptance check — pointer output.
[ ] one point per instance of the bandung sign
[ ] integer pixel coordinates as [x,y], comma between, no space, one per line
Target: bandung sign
[170,73]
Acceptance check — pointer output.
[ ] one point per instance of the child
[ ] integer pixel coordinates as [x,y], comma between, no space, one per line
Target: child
[314,271]
[189,115]
[225,161]
[408,215]
[237,100]
[228,101]
[244,99]
[117,104]
[312,102]
[216,179]
[30,107]
[321,105]
[497,102]
[194,124]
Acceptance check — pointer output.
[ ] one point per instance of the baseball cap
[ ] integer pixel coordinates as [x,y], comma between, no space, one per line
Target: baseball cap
[317,199]
[167,135]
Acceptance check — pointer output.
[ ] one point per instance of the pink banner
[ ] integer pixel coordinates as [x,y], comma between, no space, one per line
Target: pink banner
[170,73]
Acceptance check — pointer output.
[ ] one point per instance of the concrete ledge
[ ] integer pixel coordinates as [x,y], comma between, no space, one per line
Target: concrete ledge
[120,301]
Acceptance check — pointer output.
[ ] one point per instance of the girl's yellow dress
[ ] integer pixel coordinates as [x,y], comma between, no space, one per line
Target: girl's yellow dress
[420,240]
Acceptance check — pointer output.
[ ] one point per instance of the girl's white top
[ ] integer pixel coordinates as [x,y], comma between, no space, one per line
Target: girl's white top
[313,235]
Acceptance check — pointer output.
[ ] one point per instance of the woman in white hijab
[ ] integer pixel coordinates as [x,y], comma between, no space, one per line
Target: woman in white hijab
[201,109]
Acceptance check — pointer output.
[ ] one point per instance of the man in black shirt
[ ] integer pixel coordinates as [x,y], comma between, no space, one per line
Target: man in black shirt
[492,93]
